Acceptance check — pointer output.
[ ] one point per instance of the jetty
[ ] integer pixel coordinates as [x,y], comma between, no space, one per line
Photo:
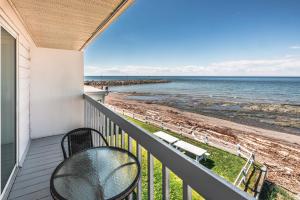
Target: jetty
[103,83]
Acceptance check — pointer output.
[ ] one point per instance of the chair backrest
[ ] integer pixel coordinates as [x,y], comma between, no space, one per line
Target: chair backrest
[80,139]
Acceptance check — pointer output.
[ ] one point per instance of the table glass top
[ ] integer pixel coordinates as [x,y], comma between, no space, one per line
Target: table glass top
[99,173]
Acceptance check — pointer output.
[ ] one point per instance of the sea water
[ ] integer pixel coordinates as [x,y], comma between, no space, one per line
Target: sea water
[269,102]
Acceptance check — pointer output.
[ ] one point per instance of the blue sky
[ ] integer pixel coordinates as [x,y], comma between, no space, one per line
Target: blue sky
[200,37]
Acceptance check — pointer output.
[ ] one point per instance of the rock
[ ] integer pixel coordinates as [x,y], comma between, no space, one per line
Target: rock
[123,82]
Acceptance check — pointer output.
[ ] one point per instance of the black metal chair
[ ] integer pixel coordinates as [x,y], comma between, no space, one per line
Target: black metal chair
[81,139]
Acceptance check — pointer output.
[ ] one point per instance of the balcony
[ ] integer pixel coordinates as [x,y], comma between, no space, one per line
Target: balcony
[48,83]
[33,179]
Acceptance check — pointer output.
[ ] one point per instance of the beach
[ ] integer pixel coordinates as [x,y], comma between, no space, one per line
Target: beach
[278,150]
[269,103]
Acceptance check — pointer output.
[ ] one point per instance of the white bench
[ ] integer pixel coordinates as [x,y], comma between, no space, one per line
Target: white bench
[198,152]
[166,137]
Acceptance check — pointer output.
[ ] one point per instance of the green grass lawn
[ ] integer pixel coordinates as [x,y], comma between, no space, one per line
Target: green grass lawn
[220,162]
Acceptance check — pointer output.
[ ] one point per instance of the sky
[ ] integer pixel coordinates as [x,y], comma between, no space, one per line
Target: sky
[200,37]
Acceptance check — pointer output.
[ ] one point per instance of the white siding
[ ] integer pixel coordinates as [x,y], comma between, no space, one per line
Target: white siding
[10,21]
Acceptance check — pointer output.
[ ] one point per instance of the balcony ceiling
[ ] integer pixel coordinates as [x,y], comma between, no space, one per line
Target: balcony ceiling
[67,24]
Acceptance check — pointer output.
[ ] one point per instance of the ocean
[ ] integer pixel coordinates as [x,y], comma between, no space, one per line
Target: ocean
[267,102]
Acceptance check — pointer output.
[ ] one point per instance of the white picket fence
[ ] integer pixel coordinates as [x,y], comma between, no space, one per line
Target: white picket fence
[205,137]
[241,178]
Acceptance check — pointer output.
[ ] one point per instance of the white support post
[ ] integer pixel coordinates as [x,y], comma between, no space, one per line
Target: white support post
[238,149]
[150,176]
[165,182]
[192,133]
[205,139]
[139,156]
[187,191]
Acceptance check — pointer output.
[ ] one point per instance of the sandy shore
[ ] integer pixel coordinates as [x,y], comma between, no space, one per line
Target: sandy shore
[279,151]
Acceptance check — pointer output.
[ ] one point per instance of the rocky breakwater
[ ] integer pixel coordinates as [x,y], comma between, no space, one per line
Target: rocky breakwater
[101,84]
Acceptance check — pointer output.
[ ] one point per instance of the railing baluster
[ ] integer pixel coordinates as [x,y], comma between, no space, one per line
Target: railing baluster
[139,186]
[130,197]
[84,104]
[109,132]
[96,118]
[103,124]
[105,128]
[122,139]
[117,136]
[112,134]
[187,192]
[92,116]
[129,143]
[98,125]
[150,177]
[165,182]
[88,115]
[93,123]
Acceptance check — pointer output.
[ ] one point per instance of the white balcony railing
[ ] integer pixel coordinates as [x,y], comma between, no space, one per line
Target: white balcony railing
[194,176]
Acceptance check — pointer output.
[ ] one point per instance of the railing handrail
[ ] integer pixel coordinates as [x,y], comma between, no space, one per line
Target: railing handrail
[201,179]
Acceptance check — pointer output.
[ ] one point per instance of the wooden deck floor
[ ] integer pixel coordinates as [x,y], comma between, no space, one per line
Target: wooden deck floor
[33,179]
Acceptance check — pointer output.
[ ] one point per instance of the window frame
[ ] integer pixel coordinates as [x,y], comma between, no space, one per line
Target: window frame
[5,24]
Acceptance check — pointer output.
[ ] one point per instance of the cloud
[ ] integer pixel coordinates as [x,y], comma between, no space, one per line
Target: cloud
[287,66]
[295,47]
[285,62]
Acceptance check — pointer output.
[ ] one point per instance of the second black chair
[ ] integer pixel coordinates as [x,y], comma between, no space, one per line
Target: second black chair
[80,139]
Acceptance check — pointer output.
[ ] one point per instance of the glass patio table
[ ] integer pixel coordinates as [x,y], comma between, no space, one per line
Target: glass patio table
[97,173]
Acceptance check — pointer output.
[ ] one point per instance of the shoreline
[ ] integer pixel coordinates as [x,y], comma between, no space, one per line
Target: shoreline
[278,150]
[271,116]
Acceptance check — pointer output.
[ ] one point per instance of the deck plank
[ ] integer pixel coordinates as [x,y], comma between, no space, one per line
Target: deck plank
[33,179]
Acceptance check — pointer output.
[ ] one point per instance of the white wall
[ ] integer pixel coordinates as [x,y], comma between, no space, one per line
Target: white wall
[56,104]
[10,21]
